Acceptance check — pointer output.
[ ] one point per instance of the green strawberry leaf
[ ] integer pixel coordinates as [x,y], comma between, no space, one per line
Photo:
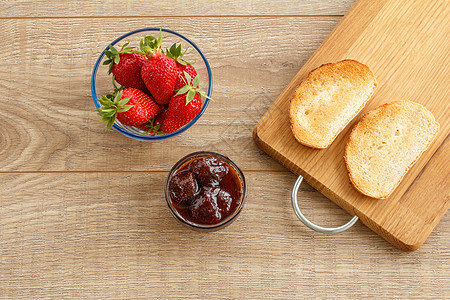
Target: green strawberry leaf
[190,96]
[203,94]
[125,108]
[188,77]
[117,97]
[175,52]
[108,54]
[109,114]
[150,45]
[112,105]
[107,110]
[153,129]
[149,40]
[141,48]
[104,102]
[110,123]
[124,101]
[183,90]
[178,51]
[107,98]
[158,43]
[196,81]
[113,57]
[113,50]
[126,49]
[191,90]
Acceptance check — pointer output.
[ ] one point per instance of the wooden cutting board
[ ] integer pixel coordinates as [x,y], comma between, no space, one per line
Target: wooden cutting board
[407,45]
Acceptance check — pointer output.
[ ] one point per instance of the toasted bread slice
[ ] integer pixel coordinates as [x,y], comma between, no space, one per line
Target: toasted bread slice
[385,144]
[328,99]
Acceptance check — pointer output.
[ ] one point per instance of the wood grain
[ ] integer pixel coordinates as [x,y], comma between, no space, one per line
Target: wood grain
[82,214]
[47,117]
[109,235]
[197,9]
[402,43]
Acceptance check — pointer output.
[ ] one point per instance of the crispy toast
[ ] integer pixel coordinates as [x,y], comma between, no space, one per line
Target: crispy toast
[328,99]
[385,144]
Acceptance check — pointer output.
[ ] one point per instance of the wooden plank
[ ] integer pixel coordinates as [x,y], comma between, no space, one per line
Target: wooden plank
[402,43]
[109,235]
[169,8]
[47,117]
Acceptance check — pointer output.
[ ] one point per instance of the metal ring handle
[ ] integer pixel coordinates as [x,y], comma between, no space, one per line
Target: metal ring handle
[310,224]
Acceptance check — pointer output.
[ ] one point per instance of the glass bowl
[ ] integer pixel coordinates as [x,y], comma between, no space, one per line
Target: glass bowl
[226,221]
[101,82]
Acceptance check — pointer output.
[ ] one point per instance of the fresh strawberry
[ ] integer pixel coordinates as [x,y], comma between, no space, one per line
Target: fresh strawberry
[128,71]
[182,66]
[130,106]
[126,66]
[159,71]
[183,106]
[144,108]
[159,75]
[179,113]
[180,82]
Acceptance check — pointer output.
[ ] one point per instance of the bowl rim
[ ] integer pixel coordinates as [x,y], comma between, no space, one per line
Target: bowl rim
[157,137]
[206,227]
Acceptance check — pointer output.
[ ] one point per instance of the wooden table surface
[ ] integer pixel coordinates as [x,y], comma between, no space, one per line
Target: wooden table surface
[82,211]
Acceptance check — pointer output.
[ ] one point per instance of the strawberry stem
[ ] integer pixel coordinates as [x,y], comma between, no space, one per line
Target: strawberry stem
[176,54]
[113,55]
[150,45]
[111,106]
[153,129]
[191,90]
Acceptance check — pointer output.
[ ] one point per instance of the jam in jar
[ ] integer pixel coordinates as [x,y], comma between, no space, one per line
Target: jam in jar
[205,190]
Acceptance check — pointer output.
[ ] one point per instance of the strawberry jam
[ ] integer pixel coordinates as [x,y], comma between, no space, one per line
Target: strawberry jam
[205,190]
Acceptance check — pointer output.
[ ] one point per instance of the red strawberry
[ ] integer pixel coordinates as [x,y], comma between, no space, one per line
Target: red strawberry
[180,113]
[182,66]
[130,106]
[159,71]
[159,75]
[144,108]
[180,82]
[126,66]
[128,71]
[184,105]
